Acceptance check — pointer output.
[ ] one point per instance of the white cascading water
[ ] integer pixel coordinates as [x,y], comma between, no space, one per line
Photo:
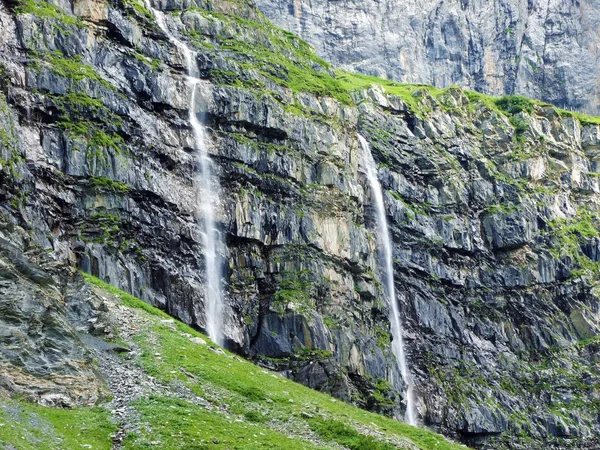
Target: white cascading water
[206,193]
[388,276]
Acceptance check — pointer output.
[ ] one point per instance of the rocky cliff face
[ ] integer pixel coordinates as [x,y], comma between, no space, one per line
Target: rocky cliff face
[543,49]
[45,305]
[493,209]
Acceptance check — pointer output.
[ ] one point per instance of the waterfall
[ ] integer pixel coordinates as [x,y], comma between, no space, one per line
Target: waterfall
[388,278]
[206,193]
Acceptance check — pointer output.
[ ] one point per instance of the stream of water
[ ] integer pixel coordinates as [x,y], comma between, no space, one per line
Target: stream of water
[206,191]
[388,278]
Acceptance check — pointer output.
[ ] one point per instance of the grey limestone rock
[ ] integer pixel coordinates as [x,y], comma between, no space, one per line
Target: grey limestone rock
[542,49]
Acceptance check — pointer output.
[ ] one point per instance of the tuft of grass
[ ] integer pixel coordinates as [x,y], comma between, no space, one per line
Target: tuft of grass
[73,68]
[46,10]
[108,184]
[515,104]
[154,63]
[139,9]
[584,119]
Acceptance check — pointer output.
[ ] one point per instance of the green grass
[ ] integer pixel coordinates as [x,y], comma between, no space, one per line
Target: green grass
[154,63]
[252,400]
[103,183]
[73,68]
[509,105]
[126,299]
[74,105]
[274,53]
[31,427]
[46,10]
[335,431]
[139,8]
[410,93]
[584,119]
[178,424]
[298,74]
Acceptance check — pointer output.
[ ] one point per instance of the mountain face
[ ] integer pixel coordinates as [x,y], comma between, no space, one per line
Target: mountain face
[492,208]
[542,49]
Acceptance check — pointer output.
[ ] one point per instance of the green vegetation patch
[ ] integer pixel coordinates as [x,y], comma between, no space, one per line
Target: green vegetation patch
[73,68]
[178,424]
[247,406]
[26,426]
[502,208]
[47,10]
[98,131]
[108,184]
[584,119]
[512,106]
[571,234]
[336,431]
[102,228]
[10,156]
[274,53]
[126,299]
[139,8]
[515,104]
[411,94]
[294,291]
[154,63]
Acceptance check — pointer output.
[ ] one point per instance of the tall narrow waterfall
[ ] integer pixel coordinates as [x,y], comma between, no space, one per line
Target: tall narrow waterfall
[206,193]
[388,278]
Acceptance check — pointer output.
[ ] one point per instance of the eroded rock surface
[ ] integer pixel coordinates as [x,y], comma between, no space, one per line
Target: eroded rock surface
[43,307]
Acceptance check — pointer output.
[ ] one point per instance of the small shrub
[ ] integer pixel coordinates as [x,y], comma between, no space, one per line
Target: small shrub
[515,104]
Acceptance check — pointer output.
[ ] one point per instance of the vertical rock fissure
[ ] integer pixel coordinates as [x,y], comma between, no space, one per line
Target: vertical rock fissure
[388,279]
[207,193]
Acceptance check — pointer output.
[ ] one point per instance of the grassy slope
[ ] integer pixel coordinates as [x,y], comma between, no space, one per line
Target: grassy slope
[246,406]
[32,427]
[252,400]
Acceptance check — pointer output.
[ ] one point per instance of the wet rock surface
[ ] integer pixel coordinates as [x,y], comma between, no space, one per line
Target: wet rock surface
[494,227]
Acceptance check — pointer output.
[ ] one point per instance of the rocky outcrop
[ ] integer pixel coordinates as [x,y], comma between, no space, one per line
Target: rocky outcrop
[492,209]
[43,308]
[543,49]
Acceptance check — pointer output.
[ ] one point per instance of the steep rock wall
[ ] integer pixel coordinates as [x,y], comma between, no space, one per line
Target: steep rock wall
[44,307]
[543,49]
[496,272]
